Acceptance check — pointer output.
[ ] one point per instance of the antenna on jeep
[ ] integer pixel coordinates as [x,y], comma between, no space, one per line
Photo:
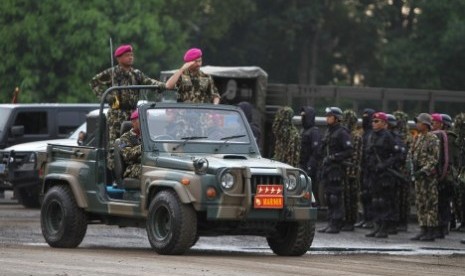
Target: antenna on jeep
[112,62]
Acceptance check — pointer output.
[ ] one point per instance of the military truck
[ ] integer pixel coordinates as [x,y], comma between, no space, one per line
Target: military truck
[202,175]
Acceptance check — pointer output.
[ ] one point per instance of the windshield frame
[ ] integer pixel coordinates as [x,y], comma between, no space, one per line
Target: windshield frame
[230,120]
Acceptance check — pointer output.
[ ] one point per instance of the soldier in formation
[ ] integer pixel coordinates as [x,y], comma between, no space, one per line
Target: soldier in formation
[336,152]
[353,171]
[310,147]
[425,158]
[287,138]
[382,153]
[399,178]
[365,193]
[405,167]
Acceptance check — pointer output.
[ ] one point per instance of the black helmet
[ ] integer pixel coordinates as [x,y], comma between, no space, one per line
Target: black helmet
[391,119]
[447,120]
[335,111]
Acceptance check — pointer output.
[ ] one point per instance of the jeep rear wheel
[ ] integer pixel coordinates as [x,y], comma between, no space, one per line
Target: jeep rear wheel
[292,238]
[171,224]
[63,223]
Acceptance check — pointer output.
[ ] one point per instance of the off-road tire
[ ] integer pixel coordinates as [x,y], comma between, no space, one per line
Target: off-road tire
[28,198]
[63,223]
[292,238]
[171,224]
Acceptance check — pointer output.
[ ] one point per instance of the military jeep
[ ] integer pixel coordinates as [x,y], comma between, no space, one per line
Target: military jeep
[202,175]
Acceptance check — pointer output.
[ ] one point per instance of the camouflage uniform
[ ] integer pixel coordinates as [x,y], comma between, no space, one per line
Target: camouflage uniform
[425,156]
[196,87]
[130,145]
[352,187]
[459,187]
[403,192]
[287,138]
[122,102]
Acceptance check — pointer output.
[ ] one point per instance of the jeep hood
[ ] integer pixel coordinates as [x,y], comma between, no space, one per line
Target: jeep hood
[41,145]
[220,161]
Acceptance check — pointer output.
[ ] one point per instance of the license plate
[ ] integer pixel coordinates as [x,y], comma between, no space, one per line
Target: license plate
[2,168]
[269,197]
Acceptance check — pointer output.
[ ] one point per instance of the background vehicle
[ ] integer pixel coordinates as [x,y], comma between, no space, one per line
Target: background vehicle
[21,123]
[202,175]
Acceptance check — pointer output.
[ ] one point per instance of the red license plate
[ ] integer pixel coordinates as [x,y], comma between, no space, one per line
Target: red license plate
[269,197]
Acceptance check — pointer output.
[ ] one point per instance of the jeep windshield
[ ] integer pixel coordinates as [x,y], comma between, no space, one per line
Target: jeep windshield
[183,127]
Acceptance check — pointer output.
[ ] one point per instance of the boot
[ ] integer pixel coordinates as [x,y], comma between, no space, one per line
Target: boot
[391,228]
[382,232]
[334,227]
[368,225]
[402,227]
[429,236]
[462,241]
[323,230]
[359,224]
[373,233]
[439,232]
[348,227]
[418,236]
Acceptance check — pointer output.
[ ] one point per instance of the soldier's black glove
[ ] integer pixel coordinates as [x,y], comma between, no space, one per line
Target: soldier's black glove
[328,159]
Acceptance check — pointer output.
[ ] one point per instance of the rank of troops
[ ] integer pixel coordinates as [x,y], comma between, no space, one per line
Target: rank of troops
[369,174]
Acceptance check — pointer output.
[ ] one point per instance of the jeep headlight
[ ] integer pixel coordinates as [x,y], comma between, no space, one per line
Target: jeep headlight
[227,180]
[291,182]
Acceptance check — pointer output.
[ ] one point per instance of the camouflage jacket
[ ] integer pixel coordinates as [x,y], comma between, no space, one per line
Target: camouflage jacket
[287,138]
[127,99]
[130,145]
[354,169]
[425,153]
[196,87]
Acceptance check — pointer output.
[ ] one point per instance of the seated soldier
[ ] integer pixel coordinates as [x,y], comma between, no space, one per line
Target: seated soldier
[130,145]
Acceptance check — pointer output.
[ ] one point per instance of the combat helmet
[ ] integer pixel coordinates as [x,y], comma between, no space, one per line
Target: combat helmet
[424,118]
[349,118]
[402,121]
[334,111]
[391,119]
[446,120]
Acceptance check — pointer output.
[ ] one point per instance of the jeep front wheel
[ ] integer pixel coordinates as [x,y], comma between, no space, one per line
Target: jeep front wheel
[171,224]
[63,223]
[292,238]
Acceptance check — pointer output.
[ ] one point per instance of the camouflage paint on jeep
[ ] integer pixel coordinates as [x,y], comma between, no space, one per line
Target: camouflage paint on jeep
[211,167]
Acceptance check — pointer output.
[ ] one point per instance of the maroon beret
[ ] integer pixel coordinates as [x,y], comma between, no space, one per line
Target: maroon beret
[123,49]
[192,54]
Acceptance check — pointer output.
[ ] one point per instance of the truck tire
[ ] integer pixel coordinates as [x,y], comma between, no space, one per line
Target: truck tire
[28,198]
[292,238]
[171,224]
[63,223]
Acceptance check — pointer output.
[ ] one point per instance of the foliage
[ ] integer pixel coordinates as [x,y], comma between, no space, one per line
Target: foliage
[51,49]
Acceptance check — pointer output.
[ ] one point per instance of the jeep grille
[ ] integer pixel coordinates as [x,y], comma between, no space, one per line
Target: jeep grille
[265,179]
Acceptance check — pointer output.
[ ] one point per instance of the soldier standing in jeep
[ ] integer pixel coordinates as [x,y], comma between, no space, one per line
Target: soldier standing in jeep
[122,102]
